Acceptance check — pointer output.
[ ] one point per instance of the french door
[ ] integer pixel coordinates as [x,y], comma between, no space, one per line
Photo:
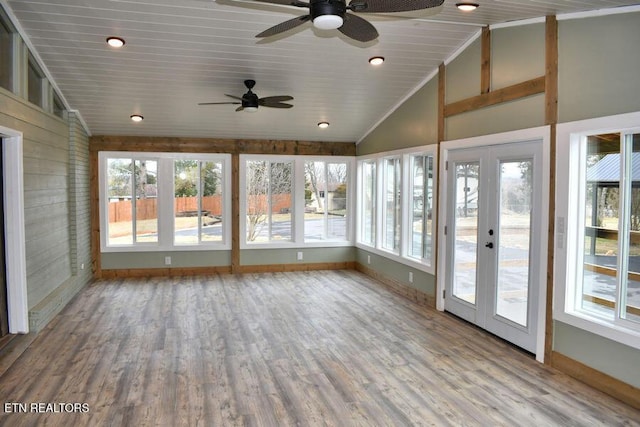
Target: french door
[492,237]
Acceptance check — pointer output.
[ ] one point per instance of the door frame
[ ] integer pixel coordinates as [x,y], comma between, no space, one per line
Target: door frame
[15,248]
[542,134]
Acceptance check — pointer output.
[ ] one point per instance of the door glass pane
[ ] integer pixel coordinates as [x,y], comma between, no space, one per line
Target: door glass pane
[630,295]
[600,260]
[514,235]
[466,231]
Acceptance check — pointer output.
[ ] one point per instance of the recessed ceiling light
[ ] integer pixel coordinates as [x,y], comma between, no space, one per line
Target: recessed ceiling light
[467,7]
[115,41]
[323,125]
[376,60]
[136,118]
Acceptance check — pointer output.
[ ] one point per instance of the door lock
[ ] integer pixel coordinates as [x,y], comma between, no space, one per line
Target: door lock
[489,245]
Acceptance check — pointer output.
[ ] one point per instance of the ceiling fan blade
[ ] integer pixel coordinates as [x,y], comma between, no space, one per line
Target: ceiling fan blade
[277,105]
[218,103]
[233,96]
[284,26]
[240,108]
[358,28]
[274,99]
[390,6]
[286,2]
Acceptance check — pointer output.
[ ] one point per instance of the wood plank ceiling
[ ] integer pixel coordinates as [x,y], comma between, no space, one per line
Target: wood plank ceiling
[182,52]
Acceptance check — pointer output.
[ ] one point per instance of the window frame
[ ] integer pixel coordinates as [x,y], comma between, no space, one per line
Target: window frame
[40,84]
[570,172]
[9,55]
[166,210]
[298,201]
[427,264]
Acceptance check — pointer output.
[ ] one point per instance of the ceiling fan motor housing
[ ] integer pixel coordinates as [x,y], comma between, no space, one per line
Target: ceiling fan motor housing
[327,7]
[249,100]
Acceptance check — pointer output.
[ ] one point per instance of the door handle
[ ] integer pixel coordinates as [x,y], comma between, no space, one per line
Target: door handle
[489,245]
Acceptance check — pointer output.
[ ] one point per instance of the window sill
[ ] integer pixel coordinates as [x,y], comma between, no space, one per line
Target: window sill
[293,245]
[398,258]
[156,248]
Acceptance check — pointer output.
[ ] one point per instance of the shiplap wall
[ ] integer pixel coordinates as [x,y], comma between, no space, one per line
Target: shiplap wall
[56,205]
[79,217]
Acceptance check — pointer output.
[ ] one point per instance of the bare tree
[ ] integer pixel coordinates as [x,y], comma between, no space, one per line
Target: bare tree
[268,186]
[315,173]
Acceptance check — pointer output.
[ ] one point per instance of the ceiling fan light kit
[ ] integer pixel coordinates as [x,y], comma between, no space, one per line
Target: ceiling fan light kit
[467,7]
[328,22]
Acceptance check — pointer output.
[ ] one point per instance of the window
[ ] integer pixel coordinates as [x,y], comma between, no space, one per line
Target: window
[6,53]
[600,280]
[420,229]
[198,192]
[269,210]
[295,201]
[392,180]
[58,106]
[132,198]
[325,201]
[396,197]
[160,201]
[367,202]
[35,83]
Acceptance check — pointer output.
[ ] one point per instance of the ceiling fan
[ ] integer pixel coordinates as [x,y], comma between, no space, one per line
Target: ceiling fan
[334,14]
[250,102]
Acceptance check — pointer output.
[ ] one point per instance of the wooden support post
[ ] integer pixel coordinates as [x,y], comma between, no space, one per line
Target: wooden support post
[485,64]
[235,213]
[551,118]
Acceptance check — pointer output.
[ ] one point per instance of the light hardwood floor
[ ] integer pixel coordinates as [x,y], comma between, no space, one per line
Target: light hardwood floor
[307,348]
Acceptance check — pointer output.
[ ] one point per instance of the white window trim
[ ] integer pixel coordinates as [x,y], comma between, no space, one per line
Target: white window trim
[165,209]
[569,137]
[14,233]
[401,256]
[297,232]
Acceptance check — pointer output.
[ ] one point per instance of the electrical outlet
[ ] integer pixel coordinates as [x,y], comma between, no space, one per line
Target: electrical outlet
[300,256]
[167,260]
[411,277]
[368,259]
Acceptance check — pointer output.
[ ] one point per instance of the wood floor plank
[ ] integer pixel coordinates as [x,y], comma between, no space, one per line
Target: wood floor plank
[313,348]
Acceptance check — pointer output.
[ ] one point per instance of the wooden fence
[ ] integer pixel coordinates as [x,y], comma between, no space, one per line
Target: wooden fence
[148,208]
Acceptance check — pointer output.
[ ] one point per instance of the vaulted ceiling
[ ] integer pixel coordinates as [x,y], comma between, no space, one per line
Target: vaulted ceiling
[179,53]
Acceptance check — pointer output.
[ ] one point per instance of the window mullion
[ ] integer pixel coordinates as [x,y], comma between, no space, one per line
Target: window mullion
[134,185]
[624,227]
[269,197]
[199,201]
[325,231]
